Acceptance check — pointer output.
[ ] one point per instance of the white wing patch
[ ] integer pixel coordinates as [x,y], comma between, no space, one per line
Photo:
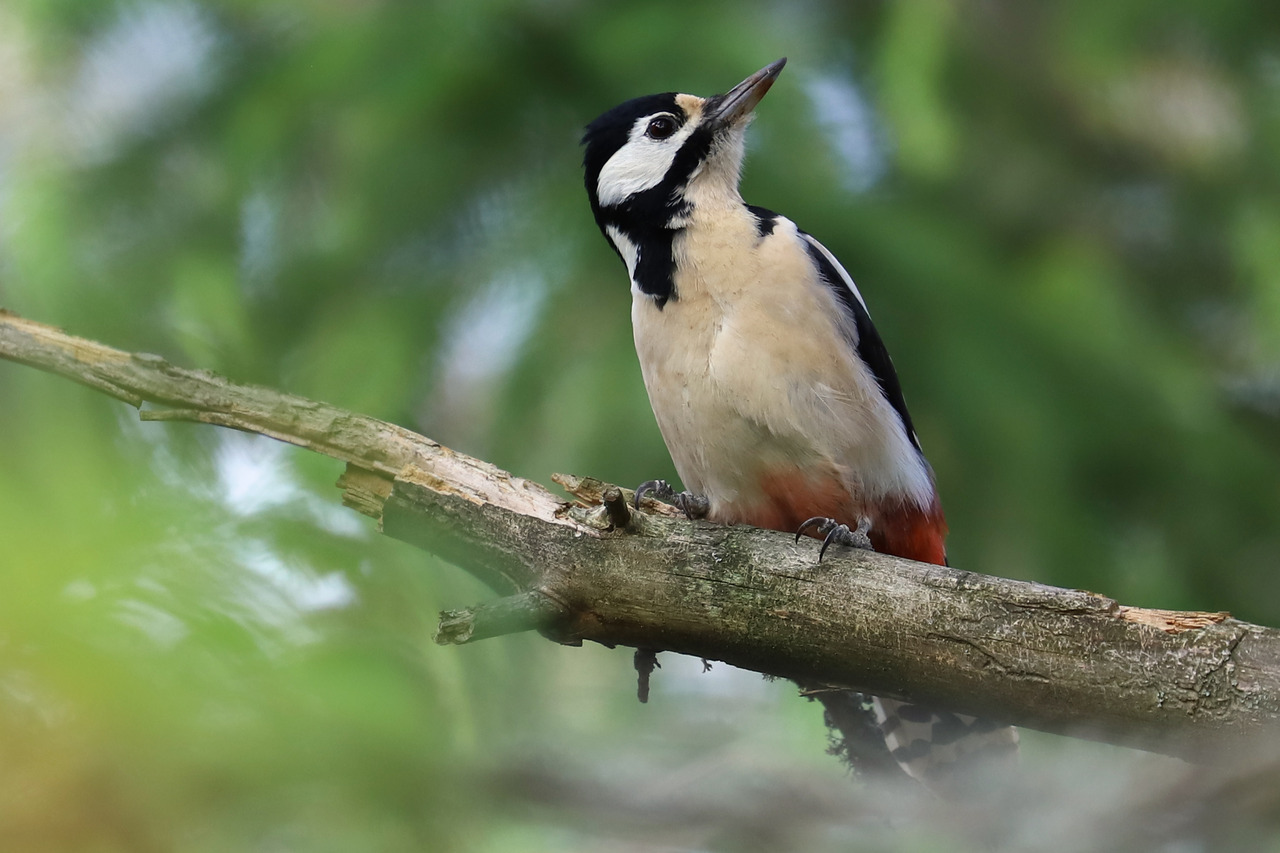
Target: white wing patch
[844,275]
[640,164]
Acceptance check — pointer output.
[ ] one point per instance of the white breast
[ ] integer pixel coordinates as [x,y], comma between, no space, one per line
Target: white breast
[749,370]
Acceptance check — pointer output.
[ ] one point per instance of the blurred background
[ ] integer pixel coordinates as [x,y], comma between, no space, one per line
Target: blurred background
[1065,219]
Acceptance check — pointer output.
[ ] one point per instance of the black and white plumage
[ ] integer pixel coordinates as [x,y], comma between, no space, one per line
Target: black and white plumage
[773,390]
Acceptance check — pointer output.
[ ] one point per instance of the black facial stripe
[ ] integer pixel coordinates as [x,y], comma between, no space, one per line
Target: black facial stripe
[645,217]
[691,155]
[870,347]
[656,207]
[655,269]
[608,133]
[655,263]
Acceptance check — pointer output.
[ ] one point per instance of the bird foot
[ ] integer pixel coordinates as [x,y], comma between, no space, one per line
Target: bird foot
[838,534]
[693,506]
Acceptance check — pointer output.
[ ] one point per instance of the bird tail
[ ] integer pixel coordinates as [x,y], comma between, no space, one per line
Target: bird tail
[948,752]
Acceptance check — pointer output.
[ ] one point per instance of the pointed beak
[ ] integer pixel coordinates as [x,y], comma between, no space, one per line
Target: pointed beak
[734,105]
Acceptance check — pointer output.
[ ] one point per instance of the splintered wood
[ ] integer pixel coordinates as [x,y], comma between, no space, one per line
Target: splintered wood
[1172,621]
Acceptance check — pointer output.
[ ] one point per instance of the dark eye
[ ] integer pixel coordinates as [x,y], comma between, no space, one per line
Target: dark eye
[660,127]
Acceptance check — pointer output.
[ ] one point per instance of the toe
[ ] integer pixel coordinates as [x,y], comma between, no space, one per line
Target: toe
[837,533]
[819,523]
[659,488]
[694,506]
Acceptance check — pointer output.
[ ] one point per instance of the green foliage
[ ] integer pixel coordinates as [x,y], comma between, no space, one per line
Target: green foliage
[1063,216]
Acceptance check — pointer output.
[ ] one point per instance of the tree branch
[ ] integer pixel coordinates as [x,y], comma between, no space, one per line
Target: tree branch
[1067,661]
[527,611]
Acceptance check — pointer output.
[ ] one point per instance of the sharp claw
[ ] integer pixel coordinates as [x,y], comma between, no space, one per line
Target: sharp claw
[649,486]
[835,531]
[805,525]
[693,506]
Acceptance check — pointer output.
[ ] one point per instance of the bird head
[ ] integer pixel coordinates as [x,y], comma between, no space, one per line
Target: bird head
[652,159]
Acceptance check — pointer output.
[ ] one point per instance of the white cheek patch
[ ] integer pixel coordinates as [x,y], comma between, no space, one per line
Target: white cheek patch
[639,165]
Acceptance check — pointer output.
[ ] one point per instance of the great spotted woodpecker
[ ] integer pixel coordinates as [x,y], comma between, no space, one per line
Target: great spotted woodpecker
[773,390]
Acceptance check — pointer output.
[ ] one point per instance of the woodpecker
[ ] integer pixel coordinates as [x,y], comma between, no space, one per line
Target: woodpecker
[773,390]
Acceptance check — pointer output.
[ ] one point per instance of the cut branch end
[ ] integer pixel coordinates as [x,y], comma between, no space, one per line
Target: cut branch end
[528,611]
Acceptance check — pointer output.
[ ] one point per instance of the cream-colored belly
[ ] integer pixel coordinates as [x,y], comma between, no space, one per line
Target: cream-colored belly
[763,402]
[698,369]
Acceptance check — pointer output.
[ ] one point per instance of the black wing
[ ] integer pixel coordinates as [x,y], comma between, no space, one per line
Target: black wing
[870,347]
